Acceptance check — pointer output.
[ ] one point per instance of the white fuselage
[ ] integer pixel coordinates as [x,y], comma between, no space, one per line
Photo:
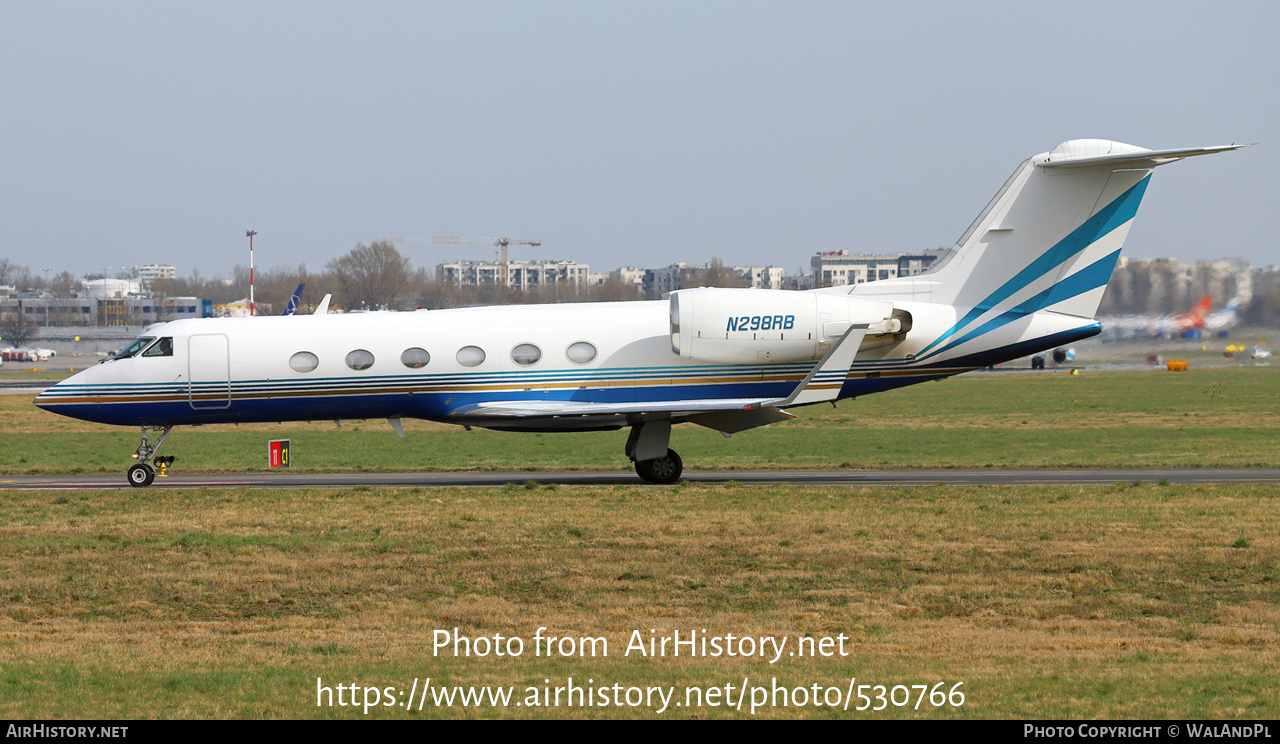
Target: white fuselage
[239,369]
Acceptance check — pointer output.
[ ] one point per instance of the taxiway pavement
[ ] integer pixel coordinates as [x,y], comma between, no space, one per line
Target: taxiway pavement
[493,479]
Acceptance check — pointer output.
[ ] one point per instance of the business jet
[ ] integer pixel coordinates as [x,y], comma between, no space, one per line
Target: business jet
[1026,276]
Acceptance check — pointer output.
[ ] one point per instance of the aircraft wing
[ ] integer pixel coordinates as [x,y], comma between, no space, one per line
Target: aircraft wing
[519,408]
[727,415]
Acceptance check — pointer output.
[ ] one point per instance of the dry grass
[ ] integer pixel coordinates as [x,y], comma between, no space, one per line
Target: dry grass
[1047,602]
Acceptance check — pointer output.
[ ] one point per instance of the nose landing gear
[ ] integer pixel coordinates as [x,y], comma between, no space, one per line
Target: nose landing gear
[142,474]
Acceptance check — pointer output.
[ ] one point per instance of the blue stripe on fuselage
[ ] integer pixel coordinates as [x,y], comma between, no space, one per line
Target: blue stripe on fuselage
[1091,277]
[1106,220]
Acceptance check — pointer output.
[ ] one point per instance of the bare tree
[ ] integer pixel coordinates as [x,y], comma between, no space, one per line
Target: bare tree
[714,274]
[372,277]
[613,290]
[16,329]
[239,280]
[64,284]
[14,274]
[162,295]
[277,284]
[433,293]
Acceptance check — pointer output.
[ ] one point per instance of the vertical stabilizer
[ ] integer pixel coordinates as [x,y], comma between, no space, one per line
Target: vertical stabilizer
[1051,236]
[295,301]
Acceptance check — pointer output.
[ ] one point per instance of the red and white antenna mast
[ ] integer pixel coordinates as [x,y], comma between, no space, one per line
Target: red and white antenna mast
[249,234]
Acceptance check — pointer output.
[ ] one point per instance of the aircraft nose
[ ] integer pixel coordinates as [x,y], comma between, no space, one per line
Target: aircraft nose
[68,398]
[44,399]
[56,395]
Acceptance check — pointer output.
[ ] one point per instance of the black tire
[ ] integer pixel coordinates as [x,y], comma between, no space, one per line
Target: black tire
[141,475]
[661,470]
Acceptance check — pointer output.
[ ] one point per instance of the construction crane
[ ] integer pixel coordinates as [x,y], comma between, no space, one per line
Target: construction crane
[504,271]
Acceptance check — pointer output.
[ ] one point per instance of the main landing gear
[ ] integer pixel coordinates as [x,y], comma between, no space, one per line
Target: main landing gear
[144,472]
[665,469]
[647,448]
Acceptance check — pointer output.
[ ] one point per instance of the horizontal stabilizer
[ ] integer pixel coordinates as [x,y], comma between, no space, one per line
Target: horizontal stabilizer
[1127,156]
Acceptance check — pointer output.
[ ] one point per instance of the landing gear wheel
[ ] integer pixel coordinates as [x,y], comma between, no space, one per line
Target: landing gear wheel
[141,475]
[661,470]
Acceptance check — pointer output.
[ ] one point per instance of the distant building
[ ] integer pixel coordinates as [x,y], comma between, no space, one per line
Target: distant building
[526,276]
[177,308]
[102,311]
[112,289]
[629,275]
[1164,286]
[799,281]
[658,282]
[761,277]
[912,264]
[150,273]
[837,268]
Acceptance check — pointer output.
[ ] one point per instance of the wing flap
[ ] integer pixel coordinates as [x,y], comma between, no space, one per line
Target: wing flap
[732,422]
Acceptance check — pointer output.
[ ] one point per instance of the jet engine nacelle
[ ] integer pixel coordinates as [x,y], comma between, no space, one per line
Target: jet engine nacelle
[762,326]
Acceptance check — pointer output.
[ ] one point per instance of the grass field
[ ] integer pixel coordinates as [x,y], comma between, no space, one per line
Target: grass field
[1127,601]
[1204,417]
[1119,602]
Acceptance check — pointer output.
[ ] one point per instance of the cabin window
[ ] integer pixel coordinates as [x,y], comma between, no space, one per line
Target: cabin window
[360,359]
[161,348]
[415,358]
[304,361]
[580,352]
[470,356]
[526,354]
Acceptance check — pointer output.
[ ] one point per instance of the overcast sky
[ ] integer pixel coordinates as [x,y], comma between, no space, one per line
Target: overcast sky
[618,133]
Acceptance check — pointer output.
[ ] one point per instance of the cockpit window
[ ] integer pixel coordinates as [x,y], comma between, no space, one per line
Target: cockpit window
[138,345]
[161,348]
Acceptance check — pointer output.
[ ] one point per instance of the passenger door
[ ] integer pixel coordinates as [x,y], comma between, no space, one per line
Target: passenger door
[209,371]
